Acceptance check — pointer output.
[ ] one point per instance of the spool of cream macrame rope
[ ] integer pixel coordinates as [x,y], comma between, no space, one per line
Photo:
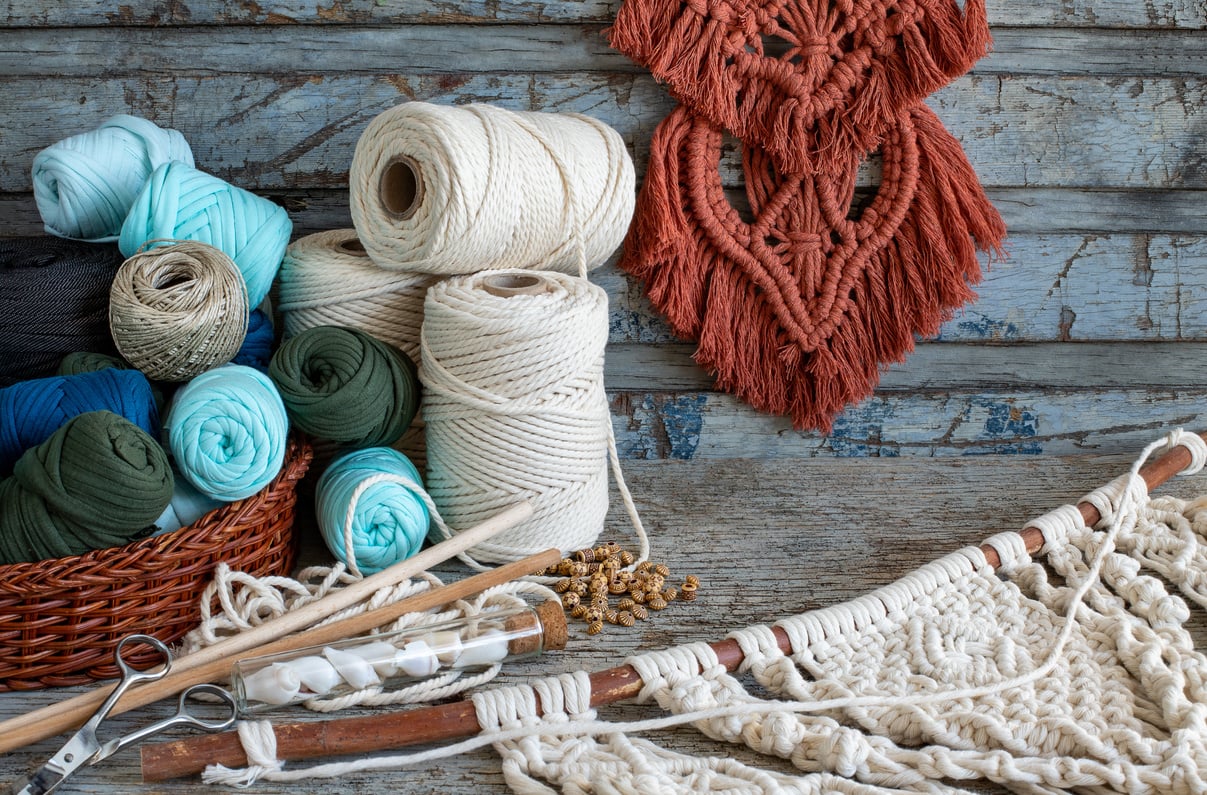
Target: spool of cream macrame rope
[454,190]
[327,279]
[514,403]
[176,311]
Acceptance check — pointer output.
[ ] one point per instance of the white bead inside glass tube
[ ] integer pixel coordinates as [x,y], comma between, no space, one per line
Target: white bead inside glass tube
[395,660]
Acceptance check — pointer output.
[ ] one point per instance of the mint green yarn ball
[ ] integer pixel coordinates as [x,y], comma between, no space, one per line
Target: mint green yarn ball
[389,518]
[179,202]
[227,432]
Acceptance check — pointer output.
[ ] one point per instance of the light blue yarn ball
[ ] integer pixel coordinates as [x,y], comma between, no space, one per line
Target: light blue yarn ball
[227,432]
[85,185]
[389,520]
[179,202]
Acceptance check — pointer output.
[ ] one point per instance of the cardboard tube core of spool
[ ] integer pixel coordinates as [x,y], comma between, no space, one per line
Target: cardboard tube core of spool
[352,247]
[505,285]
[400,188]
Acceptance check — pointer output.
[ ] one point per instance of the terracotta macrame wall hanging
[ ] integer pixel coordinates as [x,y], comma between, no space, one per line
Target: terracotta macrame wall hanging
[797,310]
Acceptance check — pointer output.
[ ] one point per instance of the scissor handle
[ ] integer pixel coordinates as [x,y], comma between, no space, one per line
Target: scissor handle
[184,717]
[130,674]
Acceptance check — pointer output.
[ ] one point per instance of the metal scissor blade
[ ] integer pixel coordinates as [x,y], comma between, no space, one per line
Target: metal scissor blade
[41,781]
[80,750]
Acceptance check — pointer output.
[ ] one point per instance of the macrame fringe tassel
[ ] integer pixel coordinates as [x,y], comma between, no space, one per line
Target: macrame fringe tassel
[809,341]
[802,107]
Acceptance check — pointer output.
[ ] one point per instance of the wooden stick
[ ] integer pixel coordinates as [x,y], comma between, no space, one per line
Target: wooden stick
[457,720]
[73,712]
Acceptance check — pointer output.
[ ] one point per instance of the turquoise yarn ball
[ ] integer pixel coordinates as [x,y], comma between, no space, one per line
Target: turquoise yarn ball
[227,432]
[85,185]
[389,518]
[179,202]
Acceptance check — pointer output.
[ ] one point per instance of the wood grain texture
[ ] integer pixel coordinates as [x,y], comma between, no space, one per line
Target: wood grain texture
[269,131]
[847,526]
[1164,14]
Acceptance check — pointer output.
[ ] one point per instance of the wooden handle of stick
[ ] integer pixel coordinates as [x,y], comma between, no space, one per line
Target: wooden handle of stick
[71,713]
[457,720]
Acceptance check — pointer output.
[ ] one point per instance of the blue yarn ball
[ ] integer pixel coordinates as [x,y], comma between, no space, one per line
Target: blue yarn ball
[257,345]
[389,520]
[227,431]
[179,202]
[85,185]
[31,411]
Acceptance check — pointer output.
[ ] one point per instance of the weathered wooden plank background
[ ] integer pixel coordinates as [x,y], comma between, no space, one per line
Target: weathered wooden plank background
[1086,124]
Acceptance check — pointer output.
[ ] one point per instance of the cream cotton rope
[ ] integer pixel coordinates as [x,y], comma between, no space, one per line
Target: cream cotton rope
[1072,671]
[514,408]
[453,190]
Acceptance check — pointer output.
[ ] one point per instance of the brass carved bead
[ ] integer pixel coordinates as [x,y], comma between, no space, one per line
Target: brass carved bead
[644,566]
[662,569]
[657,603]
[692,580]
[562,585]
[637,596]
[595,627]
[617,586]
[585,555]
[670,593]
[625,604]
[611,616]
[639,612]
[625,618]
[578,611]
[626,558]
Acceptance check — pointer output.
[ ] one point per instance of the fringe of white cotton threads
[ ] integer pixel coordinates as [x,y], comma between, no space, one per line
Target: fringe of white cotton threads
[1119,504]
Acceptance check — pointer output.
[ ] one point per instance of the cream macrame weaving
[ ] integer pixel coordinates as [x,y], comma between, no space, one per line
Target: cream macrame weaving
[1069,671]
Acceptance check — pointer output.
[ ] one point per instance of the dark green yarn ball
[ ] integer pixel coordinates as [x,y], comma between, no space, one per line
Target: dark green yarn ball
[100,481]
[346,386]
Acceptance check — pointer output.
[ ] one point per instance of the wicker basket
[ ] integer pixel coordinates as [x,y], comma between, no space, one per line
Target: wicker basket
[61,619]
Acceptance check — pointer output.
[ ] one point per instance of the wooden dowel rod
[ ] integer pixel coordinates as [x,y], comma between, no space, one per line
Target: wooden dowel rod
[403,728]
[73,712]
[1155,473]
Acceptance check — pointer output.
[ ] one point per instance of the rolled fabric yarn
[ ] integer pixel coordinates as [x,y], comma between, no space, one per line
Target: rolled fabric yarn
[85,185]
[99,481]
[256,350]
[179,202]
[54,299]
[346,386]
[454,190]
[187,506]
[31,411]
[227,432]
[327,279]
[369,499]
[176,311]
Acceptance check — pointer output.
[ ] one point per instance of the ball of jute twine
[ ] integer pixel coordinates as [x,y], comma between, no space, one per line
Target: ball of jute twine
[178,310]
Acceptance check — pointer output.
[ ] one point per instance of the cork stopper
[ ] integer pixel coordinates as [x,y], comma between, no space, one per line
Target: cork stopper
[506,285]
[553,619]
[400,187]
[352,247]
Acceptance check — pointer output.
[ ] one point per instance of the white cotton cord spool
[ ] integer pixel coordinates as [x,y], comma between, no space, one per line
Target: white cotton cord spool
[514,404]
[327,279]
[455,190]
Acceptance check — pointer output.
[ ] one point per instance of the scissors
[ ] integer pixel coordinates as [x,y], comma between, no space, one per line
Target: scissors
[85,749]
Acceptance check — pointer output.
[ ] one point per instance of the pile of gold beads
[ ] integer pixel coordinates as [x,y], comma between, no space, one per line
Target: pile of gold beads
[591,577]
